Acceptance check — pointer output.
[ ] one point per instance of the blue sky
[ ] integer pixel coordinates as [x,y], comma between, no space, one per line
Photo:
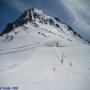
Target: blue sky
[73,12]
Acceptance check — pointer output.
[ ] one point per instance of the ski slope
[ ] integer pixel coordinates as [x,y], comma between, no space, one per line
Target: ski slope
[42,69]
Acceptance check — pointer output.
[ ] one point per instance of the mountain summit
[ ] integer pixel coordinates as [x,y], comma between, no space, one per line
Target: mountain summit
[33,15]
[35,26]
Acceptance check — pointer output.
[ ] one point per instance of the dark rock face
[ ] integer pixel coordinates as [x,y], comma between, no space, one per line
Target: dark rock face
[74,33]
[57,19]
[51,22]
[1,34]
[24,18]
[8,28]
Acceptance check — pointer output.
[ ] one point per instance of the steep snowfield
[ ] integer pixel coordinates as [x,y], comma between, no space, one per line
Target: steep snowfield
[43,54]
[28,35]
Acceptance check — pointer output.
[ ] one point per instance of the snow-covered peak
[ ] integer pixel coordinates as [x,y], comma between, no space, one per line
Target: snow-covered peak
[38,11]
[35,26]
[32,15]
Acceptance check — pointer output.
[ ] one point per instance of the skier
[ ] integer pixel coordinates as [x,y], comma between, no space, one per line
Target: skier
[70,64]
[57,45]
[62,61]
[54,69]
[62,58]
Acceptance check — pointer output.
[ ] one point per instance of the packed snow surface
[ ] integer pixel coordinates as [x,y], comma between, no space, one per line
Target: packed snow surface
[42,68]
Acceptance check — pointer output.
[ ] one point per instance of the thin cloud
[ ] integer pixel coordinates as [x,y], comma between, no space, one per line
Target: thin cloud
[80,11]
[17,4]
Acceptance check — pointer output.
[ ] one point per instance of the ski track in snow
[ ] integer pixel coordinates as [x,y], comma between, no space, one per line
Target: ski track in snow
[18,49]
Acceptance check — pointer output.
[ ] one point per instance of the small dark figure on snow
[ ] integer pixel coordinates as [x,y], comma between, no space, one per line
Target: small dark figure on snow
[1,49]
[57,45]
[62,61]
[70,64]
[54,69]
[62,58]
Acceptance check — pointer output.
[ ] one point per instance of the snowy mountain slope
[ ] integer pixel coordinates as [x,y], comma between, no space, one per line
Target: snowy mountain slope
[39,52]
[35,26]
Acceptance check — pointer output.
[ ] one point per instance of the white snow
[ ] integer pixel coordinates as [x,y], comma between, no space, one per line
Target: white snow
[37,73]
[44,58]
